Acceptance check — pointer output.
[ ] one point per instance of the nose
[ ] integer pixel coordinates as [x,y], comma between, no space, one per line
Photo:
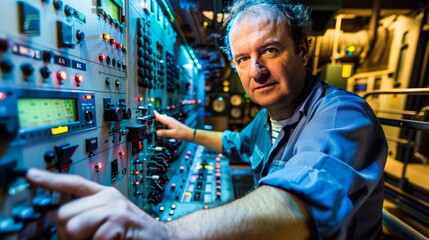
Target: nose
[258,71]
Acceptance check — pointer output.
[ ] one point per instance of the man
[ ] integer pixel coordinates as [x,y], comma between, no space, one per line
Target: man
[319,151]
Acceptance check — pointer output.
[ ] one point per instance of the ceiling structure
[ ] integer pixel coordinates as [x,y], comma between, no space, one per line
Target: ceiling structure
[203,32]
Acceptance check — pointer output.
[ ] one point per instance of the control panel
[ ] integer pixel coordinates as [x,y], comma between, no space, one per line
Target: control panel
[79,82]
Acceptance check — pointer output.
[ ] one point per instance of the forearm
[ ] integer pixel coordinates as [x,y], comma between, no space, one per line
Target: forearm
[266,213]
[209,139]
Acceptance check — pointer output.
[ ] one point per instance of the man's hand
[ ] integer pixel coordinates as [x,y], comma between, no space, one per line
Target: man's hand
[175,129]
[99,212]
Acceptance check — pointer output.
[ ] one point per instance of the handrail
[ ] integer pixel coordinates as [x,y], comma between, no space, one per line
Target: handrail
[403,123]
[409,91]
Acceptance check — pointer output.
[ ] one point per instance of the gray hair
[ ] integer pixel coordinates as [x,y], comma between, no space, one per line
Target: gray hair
[297,16]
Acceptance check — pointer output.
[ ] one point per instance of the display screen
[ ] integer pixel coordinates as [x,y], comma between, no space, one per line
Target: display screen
[112,8]
[41,112]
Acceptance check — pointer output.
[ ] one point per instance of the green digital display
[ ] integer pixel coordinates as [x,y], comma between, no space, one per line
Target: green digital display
[44,112]
[112,8]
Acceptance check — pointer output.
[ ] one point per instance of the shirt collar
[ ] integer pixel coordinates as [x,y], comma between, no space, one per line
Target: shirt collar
[311,86]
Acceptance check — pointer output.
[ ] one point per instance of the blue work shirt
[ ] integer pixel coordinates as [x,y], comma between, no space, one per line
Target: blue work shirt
[331,155]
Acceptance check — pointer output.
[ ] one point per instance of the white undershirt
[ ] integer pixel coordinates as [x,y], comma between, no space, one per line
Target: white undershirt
[276,127]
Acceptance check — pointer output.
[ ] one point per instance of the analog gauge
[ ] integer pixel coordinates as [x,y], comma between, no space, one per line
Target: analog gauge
[236,100]
[236,112]
[219,105]
[254,109]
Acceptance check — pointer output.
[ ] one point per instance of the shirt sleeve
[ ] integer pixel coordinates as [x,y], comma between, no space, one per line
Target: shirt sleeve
[338,160]
[238,145]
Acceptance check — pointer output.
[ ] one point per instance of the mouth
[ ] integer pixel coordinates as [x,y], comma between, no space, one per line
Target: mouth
[266,86]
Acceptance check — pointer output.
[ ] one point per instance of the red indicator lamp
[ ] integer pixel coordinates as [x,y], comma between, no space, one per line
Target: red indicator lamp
[121,153]
[101,57]
[2,96]
[61,75]
[88,97]
[78,78]
[98,166]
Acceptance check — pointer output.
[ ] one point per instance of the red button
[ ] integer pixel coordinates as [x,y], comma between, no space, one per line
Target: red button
[102,57]
[78,78]
[61,75]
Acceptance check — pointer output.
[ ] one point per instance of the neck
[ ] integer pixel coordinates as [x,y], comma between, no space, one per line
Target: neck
[282,113]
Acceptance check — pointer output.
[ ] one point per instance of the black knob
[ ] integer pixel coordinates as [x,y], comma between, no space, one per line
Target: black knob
[80,35]
[58,4]
[47,56]
[113,113]
[27,69]
[49,156]
[126,111]
[69,11]
[107,81]
[143,82]
[6,66]
[117,83]
[45,72]
[4,44]
[140,42]
[89,116]
[141,72]
[141,62]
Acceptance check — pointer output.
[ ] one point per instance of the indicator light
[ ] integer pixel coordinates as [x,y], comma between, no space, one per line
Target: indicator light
[88,97]
[102,57]
[2,96]
[59,130]
[61,75]
[112,41]
[121,153]
[78,78]
[106,36]
[119,45]
[98,166]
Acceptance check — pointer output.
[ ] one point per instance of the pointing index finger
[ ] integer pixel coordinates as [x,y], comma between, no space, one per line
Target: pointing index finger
[64,183]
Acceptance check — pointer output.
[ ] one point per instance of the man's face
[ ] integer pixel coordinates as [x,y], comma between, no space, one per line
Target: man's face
[271,70]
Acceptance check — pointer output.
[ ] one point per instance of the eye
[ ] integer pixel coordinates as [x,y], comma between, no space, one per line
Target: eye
[270,51]
[241,59]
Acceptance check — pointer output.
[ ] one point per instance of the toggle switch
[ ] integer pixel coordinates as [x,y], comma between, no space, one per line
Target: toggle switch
[44,203]
[25,214]
[9,226]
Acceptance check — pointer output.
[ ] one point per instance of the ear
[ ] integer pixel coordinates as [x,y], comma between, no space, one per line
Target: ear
[303,51]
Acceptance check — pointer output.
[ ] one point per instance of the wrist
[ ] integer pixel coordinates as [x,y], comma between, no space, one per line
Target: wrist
[194,134]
